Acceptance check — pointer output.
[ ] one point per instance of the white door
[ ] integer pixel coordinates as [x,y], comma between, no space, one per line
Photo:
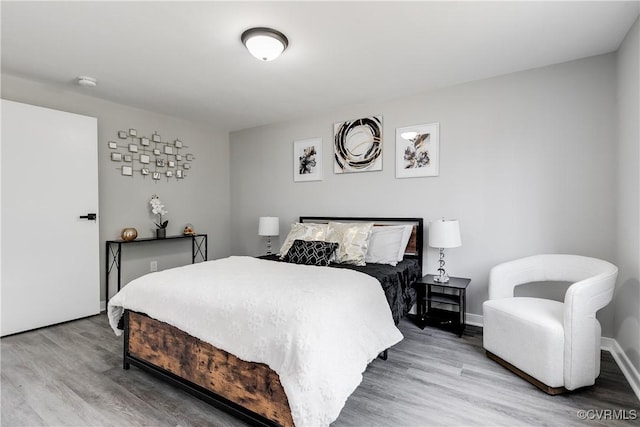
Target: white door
[50,256]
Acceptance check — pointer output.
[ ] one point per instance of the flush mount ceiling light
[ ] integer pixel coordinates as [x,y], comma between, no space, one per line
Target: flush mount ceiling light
[87,81]
[265,44]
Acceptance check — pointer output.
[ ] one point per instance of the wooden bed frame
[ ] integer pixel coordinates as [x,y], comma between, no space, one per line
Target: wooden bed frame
[250,391]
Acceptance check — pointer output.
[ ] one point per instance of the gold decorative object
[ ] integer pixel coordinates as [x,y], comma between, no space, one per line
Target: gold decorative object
[188,230]
[129,234]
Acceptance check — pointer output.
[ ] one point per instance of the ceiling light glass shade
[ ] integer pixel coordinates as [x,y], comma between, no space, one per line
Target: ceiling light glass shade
[265,44]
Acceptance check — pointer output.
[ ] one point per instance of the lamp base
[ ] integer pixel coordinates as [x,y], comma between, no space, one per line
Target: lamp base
[443,278]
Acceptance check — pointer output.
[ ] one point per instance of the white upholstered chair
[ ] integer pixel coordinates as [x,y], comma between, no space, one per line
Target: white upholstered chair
[554,345]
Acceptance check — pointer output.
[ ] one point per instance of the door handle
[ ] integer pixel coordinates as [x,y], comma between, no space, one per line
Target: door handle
[89,216]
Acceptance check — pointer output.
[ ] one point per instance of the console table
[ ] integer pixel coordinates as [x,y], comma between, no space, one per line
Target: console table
[113,255]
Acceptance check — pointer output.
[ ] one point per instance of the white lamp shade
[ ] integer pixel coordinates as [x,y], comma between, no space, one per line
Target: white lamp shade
[444,234]
[269,226]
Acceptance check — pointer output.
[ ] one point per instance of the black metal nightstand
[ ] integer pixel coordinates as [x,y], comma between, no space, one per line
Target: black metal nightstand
[442,304]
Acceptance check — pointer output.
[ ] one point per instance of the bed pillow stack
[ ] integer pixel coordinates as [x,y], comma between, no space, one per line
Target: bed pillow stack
[357,243]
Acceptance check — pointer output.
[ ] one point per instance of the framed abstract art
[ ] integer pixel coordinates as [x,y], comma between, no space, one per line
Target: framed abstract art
[357,145]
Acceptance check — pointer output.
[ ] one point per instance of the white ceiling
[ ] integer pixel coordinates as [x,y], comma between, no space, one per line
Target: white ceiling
[185,59]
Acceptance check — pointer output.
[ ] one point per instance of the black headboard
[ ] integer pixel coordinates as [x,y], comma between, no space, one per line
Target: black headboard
[415,246]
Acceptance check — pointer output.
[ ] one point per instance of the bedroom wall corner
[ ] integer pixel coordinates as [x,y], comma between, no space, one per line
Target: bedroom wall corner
[202,198]
[626,302]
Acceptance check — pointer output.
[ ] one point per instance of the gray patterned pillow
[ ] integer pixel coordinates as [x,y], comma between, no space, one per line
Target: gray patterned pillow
[310,252]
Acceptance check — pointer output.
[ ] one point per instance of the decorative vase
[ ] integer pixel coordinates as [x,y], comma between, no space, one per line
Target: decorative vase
[161,233]
[128,234]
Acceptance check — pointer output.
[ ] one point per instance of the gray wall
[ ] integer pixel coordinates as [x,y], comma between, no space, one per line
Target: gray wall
[201,199]
[527,165]
[627,298]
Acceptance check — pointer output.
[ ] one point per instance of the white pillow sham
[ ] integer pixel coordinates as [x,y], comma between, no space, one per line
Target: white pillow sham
[384,244]
[406,236]
[303,231]
[353,241]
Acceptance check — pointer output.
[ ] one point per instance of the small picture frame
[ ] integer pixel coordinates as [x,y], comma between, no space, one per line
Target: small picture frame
[187,166]
[127,158]
[156,151]
[178,157]
[178,143]
[172,164]
[169,174]
[144,171]
[133,148]
[144,158]
[189,157]
[155,137]
[116,157]
[144,141]
[122,134]
[179,174]
[133,132]
[156,175]
[160,163]
[307,160]
[168,149]
[127,170]
[113,145]
[418,151]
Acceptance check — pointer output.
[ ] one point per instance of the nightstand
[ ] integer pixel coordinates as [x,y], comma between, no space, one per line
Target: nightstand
[442,304]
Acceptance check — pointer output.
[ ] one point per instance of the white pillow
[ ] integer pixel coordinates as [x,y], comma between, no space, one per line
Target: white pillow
[303,231]
[384,244]
[406,236]
[353,241]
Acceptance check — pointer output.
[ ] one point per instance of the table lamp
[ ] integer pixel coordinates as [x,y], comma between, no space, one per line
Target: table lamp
[269,226]
[444,234]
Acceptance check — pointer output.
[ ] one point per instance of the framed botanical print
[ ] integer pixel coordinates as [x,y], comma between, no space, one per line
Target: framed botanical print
[418,151]
[307,160]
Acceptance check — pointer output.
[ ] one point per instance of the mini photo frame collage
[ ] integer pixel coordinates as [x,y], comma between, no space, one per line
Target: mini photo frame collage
[149,156]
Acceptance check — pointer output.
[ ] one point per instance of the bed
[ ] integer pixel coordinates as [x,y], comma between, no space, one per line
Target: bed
[190,354]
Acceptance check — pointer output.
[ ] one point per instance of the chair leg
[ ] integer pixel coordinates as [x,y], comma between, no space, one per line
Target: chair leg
[542,386]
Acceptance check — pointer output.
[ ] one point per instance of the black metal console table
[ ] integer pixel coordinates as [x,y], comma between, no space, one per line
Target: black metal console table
[113,255]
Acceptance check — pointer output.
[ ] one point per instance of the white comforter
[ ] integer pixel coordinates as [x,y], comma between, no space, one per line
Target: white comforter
[317,327]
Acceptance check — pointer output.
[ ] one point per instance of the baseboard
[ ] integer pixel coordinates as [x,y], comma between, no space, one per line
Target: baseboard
[103,306]
[628,370]
[474,319]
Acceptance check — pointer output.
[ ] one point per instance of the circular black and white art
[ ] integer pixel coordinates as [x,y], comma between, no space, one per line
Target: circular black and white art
[358,145]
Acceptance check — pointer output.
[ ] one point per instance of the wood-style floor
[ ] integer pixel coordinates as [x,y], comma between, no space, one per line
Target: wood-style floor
[71,375]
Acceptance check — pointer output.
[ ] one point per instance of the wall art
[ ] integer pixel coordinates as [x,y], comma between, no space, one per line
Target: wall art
[418,151]
[307,160]
[150,155]
[357,145]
